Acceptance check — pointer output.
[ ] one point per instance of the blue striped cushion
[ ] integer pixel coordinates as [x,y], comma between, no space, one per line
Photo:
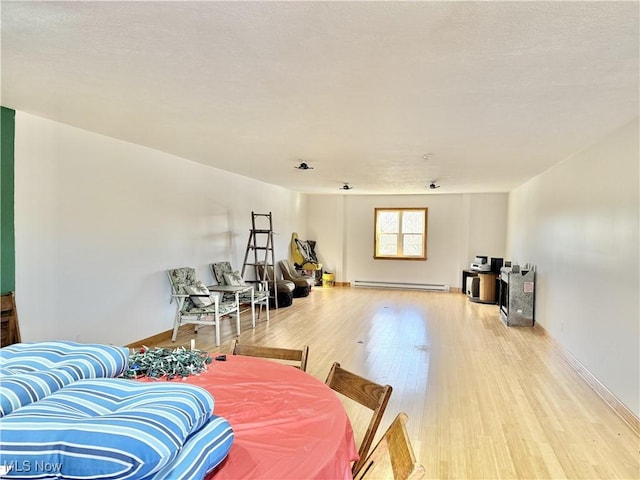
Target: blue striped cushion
[201,453]
[110,428]
[80,359]
[31,371]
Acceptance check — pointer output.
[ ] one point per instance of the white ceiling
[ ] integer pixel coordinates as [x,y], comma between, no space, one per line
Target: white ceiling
[497,92]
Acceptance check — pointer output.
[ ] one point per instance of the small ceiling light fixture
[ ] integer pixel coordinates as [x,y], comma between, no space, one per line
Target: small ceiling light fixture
[433,185]
[428,156]
[304,166]
[346,186]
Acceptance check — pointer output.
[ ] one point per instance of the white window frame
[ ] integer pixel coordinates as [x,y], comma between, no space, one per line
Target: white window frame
[400,236]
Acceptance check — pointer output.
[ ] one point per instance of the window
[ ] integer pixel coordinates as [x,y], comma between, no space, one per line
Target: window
[400,233]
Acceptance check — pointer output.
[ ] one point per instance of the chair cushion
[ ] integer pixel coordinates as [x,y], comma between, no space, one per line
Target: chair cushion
[223,309]
[19,390]
[194,291]
[31,371]
[201,453]
[114,428]
[258,296]
[234,278]
[82,360]
[181,277]
[219,269]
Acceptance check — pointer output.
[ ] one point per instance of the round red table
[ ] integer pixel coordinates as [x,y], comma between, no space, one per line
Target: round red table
[287,424]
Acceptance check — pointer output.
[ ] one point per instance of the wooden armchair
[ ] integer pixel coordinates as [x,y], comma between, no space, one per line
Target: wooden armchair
[367,393]
[291,355]
[392,457]
[10,328]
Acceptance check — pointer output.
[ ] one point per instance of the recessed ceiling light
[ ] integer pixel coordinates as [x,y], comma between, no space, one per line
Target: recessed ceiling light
[304,166]
[428,156]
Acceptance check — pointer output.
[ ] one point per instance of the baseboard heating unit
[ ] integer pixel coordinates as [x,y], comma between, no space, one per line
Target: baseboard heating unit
[429,287]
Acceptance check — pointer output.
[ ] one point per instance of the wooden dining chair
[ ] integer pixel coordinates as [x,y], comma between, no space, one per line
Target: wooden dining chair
[393,456]
[10,333]
[367,393]
[288,354]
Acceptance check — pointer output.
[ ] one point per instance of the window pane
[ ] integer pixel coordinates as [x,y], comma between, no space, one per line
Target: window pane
[388,222]
[412,245]
[413,222]
[388,244]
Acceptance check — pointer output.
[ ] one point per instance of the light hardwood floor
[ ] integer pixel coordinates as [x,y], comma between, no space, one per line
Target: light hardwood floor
[485,401]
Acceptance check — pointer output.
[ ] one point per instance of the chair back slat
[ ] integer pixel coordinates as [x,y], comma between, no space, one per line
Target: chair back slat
[356,387]
[275,353]
[365,392]
[393,456]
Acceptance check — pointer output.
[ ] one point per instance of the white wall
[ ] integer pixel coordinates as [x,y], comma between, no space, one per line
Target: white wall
[99,221]
[326,226]
[459,228]
[578,223]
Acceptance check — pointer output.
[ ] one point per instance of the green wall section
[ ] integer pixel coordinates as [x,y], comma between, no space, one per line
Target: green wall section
[7,234]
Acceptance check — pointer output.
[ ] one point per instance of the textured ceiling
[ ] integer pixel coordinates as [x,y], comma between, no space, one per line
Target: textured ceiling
[497,92]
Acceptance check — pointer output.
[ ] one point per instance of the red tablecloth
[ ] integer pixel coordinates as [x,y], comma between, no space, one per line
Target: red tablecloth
[287,424]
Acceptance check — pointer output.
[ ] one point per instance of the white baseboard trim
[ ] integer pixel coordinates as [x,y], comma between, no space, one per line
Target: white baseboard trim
[429,287]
